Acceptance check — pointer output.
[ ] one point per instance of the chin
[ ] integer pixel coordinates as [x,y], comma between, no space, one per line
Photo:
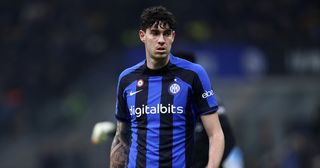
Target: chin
[161,55]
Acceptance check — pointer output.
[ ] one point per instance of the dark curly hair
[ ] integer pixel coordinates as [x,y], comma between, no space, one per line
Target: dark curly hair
[155,15]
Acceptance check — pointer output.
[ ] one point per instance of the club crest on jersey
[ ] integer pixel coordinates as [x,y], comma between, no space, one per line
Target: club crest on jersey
[174,88]
[140,83]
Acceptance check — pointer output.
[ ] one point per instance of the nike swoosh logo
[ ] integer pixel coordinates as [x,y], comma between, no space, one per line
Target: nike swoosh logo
[133,93]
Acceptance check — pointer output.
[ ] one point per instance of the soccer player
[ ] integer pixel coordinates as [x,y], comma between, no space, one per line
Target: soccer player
[159,101]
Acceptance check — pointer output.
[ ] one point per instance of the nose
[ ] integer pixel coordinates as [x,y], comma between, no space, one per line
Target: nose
[161,39]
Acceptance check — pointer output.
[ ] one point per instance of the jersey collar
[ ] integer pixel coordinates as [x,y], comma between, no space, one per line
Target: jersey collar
[159,72]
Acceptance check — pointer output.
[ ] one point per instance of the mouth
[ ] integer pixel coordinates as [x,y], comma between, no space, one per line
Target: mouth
[161,49]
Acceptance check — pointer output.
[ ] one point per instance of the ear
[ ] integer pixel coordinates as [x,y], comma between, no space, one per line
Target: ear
[173,35]
[142,35]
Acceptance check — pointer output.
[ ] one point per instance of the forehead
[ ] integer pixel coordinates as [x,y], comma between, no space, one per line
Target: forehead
[160,26]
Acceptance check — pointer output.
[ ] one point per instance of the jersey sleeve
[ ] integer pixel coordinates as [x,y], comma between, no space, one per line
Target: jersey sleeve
[204,95]
[122,113]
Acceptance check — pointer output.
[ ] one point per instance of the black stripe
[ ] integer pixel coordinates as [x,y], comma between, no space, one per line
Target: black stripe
[184,74]
[190,121]
[142,99]
[130,77]
[166,125]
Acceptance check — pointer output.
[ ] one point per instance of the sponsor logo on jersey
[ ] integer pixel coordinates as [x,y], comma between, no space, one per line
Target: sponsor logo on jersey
[207,94]
[159,109]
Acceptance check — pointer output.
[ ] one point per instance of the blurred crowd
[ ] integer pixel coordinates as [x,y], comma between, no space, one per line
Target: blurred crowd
[298,148]
[46,46]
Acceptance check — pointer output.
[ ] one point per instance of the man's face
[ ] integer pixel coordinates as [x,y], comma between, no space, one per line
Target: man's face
[158,40]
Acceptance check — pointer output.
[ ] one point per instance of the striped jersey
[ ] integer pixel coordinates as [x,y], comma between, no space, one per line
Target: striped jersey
[162,107]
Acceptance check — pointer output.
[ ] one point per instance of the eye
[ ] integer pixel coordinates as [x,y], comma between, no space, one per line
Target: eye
[167,33]
[155,32]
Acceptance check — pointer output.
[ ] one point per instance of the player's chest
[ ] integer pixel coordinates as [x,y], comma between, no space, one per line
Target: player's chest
[157,89]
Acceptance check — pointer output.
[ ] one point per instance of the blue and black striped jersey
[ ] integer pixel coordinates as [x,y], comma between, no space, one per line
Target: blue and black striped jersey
[162,107]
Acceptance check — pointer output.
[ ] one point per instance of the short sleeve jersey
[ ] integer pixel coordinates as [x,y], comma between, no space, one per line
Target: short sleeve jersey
[162,107]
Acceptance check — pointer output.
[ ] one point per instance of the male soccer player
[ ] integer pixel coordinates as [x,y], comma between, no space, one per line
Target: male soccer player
[159,101]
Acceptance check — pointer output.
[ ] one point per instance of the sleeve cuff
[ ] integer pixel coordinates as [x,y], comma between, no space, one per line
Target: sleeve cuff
[211,111]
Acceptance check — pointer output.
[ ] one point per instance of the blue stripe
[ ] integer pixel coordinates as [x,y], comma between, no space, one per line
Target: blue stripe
[134,128]
[179,126]
[153,133]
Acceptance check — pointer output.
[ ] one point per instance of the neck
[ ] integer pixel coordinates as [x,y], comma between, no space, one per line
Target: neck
[155,64]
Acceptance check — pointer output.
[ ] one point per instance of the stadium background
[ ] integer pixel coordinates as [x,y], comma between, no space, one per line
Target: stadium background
[60,60]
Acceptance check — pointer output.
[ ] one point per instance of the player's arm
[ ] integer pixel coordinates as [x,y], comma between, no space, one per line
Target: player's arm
[120,146]
[212,126]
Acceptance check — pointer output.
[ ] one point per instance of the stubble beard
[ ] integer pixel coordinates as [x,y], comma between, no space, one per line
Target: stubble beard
[158,61]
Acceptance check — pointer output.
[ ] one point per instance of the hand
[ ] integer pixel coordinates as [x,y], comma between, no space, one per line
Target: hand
[101,131]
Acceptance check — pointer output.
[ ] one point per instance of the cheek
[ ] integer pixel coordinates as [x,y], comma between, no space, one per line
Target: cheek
[170,42]
[149,46]
[149,42]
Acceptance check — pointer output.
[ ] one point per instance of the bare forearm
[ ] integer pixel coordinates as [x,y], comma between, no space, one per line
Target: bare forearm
[216,139]
[120,148]
[118,154]
[216,148]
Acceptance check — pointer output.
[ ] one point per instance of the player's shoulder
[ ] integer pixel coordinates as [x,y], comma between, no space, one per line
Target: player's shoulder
[187,65]
[131,69]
